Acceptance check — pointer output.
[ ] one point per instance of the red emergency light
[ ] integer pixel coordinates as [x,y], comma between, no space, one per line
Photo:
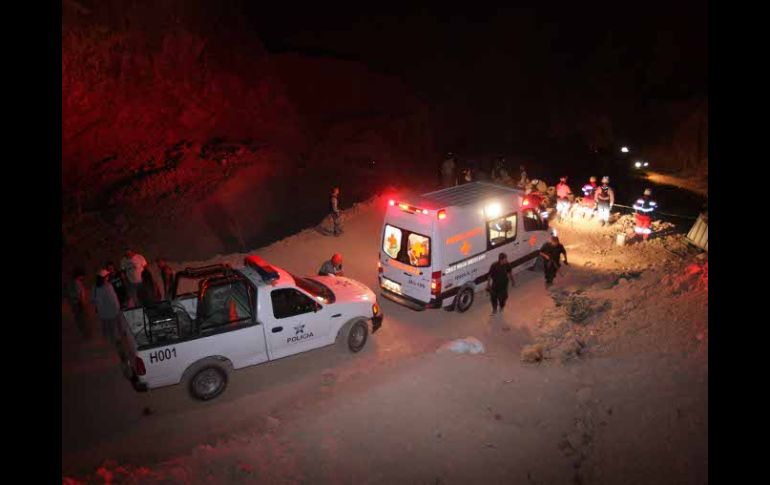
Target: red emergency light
[526,202]
[391,202]
[441,214]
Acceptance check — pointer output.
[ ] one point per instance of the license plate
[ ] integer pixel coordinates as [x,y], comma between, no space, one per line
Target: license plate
[391,286]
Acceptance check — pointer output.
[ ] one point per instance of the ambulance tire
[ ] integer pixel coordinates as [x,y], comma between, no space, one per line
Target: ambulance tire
[207,381]
[354,335]
[464,299]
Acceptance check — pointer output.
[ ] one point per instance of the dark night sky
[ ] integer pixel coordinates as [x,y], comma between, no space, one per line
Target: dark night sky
[511,70]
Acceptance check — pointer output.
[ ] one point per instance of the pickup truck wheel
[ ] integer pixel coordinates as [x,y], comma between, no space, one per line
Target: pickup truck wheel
[464,300]
[208,383]
[357,336]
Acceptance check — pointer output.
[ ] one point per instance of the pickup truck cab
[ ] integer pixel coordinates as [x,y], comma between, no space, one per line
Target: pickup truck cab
[237,318]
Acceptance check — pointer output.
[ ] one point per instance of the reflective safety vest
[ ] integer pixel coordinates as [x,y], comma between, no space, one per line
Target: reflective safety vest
[588,189]
[645,205]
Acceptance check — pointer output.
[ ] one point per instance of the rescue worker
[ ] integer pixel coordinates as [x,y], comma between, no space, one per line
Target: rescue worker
[605,199]
[562,197]
[334,210]
[551,253]
[497,282]
[644,208]
[448,178]
[537,198]
[332,267]
[588,203]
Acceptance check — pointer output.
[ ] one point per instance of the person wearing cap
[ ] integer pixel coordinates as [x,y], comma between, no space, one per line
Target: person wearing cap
[605,199]
[551,253]
[644,208]
[562,197]
[107,305]
[332,267]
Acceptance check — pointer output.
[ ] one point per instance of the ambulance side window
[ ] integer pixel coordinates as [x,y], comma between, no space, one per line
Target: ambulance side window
[532,221]
[501,231]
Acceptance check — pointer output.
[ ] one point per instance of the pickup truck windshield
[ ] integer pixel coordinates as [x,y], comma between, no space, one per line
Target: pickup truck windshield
[315,288]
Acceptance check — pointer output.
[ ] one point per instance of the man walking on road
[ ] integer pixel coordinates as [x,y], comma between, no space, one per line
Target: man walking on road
[551,253]
[497,282]
[334,210]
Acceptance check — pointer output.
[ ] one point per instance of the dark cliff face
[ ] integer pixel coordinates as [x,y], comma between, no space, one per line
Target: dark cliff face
[175,116]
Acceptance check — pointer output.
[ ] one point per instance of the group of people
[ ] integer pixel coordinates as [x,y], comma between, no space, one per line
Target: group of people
[115,289]
[500,275]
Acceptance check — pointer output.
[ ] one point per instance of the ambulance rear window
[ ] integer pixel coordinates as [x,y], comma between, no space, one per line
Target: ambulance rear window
[407,247]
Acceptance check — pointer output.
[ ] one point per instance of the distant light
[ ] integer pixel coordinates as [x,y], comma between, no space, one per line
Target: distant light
[624,149]
[646,163]
[638,164]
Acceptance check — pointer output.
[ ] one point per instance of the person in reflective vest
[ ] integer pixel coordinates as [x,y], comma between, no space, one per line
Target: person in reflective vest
[644,208]
[562,197]
[605,199]
[588,203]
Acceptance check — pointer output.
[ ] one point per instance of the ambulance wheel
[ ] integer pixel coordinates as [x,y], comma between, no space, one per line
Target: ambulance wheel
[356,335]
[208,382]
[464,300]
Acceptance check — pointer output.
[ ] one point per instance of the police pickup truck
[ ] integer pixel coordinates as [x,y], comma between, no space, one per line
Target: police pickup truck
[237,318]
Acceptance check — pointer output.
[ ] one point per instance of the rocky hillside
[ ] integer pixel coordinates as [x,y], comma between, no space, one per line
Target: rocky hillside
[173,125]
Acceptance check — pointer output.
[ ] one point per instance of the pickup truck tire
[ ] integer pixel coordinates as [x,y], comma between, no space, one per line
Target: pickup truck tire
[464,299]
[208,382]
[354,335]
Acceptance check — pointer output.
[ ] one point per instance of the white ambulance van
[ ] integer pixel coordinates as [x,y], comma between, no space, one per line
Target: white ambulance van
[436,249]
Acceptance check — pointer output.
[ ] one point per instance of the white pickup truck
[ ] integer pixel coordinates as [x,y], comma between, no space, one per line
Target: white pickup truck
[237,318]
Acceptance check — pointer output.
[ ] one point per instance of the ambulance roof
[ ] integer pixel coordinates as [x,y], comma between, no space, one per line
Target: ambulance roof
[466,194]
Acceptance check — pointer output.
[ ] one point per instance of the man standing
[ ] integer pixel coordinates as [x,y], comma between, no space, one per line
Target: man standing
[133,265]
[332,267]
[551,252]
[562,197]
[107,305]
[497,282]
[448,171]
[644,208]
[588,202]
[605,199]
[80,304]
[118,282]
[334,210]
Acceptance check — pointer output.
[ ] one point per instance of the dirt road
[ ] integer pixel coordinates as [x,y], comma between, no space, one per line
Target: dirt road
[399,412]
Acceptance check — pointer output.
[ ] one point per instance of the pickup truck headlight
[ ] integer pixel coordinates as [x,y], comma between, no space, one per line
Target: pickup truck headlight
[375,309]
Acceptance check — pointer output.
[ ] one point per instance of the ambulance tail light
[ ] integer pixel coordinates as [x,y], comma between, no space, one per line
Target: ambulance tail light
[525,203]
[441,214]
[139,366]
[435,283]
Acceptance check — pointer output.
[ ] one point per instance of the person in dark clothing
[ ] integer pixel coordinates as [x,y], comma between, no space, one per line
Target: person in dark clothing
[80,304]
[497,282]
[167,275]
[118,281]
[551,253]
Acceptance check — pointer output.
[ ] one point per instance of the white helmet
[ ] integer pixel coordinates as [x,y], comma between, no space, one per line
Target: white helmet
[648,191]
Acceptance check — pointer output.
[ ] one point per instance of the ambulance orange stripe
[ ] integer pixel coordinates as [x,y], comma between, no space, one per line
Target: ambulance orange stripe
[405,267]
[460,237]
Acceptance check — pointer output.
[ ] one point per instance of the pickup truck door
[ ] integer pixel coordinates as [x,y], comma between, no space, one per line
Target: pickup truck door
[226,312]
[294,321]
